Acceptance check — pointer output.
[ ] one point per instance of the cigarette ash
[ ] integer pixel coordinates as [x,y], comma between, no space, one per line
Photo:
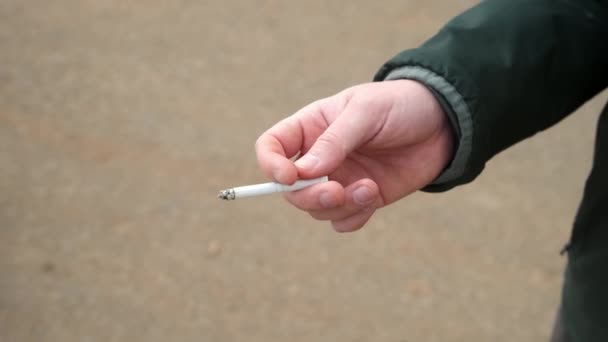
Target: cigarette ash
[226,194]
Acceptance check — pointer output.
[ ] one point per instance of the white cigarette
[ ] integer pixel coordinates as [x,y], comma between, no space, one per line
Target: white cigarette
[267,188]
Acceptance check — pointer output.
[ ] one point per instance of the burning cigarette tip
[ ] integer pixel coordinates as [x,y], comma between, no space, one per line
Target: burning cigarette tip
[226,194]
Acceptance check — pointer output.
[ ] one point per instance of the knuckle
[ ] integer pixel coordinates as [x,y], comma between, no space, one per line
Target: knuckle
[329,141]
[300,201]
[317,215]
[358,224]
[259,143]
[294,202]
[340,226]
[328,214]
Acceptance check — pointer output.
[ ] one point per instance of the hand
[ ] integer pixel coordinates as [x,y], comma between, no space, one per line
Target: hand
[377,142]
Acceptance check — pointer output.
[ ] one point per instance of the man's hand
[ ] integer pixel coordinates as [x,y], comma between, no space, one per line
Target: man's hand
[377,142]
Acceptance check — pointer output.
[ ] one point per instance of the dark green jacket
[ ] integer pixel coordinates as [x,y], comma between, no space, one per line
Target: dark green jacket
[505,70]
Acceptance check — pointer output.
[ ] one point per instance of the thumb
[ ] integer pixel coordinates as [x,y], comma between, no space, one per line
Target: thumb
[349,131]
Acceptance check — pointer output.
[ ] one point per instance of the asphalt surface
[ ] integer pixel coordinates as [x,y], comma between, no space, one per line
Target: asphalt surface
[120,121]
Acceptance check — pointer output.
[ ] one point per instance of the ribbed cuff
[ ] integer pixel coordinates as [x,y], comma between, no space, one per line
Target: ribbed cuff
[455,108]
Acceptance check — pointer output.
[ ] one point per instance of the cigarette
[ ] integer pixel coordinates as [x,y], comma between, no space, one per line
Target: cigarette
[267,188]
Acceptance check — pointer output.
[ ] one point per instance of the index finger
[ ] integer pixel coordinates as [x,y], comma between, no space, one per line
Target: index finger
[285,139]
[272,154]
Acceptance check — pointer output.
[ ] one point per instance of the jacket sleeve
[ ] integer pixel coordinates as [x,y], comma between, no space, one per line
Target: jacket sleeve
[507,69]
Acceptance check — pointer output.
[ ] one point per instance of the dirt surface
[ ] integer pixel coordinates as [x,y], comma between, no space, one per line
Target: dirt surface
[120,120]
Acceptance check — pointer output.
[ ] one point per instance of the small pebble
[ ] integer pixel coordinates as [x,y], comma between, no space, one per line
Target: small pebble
[214,248]
[48,267]
[419,288]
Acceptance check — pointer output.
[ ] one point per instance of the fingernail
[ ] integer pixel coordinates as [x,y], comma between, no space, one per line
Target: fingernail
[308,162]
[327,200]
[363,195]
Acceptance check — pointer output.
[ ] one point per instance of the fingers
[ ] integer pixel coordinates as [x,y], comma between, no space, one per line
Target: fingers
[347,208]
[353,127]
[282,141]
[354,222]
[321,196]
[359,195]
[273,159]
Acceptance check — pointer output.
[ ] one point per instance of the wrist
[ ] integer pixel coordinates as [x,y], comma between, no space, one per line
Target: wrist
[459,117]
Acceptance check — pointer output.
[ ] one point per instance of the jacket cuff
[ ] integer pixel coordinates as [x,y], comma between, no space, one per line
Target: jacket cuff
[458,113]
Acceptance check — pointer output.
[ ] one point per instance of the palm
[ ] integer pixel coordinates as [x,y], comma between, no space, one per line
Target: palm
[395,176]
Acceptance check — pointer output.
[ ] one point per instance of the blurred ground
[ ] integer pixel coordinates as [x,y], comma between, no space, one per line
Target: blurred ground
[119,121]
